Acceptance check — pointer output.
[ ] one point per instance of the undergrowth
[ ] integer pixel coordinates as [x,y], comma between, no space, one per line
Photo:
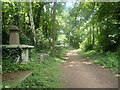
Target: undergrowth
[61,51]
[45,75]
[108,60]
[8,65]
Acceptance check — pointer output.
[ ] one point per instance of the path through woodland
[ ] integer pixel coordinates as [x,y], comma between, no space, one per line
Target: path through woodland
[79,73]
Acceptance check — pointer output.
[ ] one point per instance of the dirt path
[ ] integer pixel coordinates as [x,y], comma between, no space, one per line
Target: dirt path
[81,74]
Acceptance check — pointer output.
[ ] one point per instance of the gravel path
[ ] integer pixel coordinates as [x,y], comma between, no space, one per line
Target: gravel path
[78,73]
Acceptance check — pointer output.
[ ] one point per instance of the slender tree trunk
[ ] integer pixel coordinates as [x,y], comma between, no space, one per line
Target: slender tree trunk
[97,29]
[93,35]
[37,19]
[90,36]
[32,23]
[53,29]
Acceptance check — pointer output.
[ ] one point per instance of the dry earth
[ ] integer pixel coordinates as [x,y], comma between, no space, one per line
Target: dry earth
[78,73]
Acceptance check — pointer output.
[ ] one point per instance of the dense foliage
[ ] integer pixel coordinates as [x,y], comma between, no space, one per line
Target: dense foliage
[37,21]
[88,25]
[50,26]
[95,26]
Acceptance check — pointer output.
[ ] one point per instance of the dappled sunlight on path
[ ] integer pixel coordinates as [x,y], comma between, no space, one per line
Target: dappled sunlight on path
[79,73]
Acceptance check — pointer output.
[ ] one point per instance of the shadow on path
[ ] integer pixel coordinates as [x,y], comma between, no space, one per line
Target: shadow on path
[79,73]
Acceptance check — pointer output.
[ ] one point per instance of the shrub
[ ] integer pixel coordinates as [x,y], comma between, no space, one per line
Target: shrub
[88,47]
[109,59]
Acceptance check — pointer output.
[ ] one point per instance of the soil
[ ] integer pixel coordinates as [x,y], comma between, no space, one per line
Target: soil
[15,77]
[79,73]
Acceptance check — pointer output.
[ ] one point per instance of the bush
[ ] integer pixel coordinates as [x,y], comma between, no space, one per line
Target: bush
[109,59]
[88,47]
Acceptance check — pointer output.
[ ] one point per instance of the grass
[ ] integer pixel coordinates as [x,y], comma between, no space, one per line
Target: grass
[15,67]
[45,75]
[108,60]
[8,65]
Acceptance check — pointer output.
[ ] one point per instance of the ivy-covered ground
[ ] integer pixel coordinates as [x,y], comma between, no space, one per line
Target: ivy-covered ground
[45,75]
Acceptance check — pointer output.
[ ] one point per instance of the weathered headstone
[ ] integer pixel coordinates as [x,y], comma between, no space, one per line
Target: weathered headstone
[14,35]
[14,43]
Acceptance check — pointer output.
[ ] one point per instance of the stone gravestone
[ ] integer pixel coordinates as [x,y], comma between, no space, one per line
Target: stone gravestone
[14,43]
[14,35]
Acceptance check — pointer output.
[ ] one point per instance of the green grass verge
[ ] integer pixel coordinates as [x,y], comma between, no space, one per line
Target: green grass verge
[108,60]
[45,75]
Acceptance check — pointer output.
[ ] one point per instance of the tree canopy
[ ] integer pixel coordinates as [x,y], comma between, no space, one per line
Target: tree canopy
[85,25]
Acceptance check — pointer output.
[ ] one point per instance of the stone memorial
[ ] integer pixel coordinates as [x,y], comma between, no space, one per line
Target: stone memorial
[14,35]
[14,43]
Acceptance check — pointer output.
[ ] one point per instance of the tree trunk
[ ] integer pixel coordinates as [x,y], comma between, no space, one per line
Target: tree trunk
[53,33]
[37,19]
[89,35]
[32,23]
[93,35]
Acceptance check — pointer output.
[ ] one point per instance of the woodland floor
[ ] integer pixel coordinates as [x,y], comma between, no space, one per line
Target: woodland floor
[15,77]
[79,73]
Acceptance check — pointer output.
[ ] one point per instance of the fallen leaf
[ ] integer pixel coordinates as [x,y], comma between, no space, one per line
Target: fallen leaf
[103,67]
[87,62]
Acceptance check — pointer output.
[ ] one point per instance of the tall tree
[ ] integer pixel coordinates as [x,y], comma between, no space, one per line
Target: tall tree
[32,23]
[53,29]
